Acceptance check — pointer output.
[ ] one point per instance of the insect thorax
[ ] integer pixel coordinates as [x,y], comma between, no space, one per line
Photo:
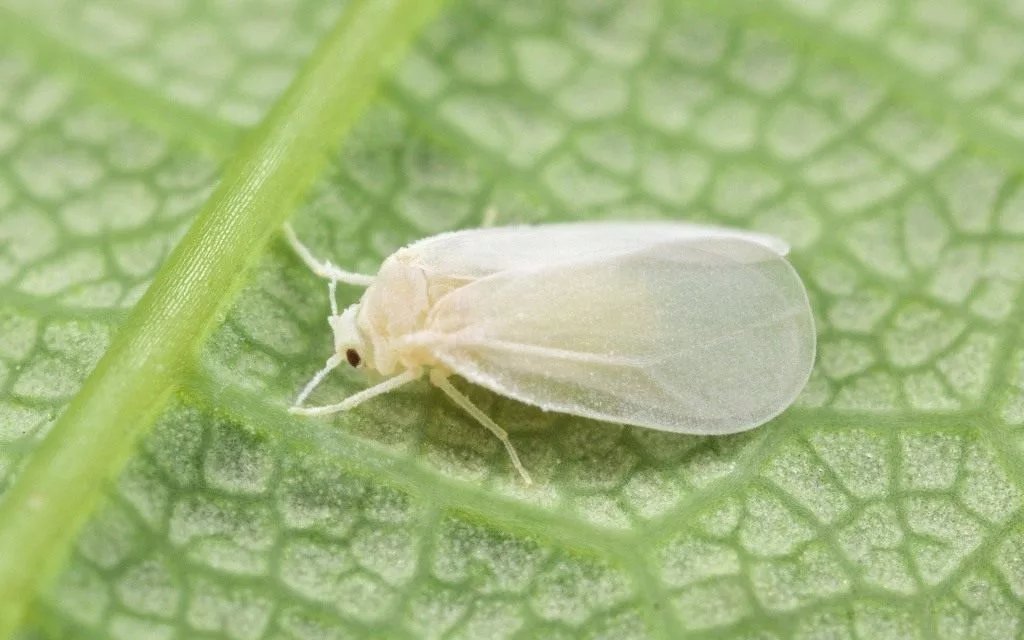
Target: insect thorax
[396,306]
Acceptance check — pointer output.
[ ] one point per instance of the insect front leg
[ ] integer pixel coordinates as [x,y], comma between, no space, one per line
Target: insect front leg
[357,399]
[323,268]
[440,380]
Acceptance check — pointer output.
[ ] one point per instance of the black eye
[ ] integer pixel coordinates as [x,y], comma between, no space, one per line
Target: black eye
[353,357]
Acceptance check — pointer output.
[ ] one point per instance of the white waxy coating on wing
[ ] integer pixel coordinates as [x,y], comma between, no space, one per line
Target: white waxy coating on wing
[710,334]
[475,253]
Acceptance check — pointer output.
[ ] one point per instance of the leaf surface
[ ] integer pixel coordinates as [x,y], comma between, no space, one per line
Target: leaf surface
[882,140]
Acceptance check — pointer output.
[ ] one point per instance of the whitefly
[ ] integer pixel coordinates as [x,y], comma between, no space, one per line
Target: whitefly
[676,327]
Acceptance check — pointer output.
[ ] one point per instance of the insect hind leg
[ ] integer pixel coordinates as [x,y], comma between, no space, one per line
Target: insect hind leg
[441,381]
[323,268]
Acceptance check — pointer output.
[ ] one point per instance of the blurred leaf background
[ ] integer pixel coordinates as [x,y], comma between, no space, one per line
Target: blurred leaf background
[882,138]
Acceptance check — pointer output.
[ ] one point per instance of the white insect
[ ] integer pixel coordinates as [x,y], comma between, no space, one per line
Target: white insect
[676,327]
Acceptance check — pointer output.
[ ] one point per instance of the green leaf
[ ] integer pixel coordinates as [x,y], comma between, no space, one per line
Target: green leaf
[883,140]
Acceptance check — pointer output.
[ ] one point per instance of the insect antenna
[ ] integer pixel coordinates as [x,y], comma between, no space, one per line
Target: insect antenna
[332,295]
[331,364]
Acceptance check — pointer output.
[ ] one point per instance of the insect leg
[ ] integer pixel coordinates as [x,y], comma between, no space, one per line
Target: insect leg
[358,398]
[467,405]
[324,269]
[314,382]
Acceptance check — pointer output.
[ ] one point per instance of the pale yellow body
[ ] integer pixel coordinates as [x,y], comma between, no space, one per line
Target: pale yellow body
[393,320]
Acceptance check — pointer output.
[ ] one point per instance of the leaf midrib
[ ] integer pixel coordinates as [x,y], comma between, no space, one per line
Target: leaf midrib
[66,474]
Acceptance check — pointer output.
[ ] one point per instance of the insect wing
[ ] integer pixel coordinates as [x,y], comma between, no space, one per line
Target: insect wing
[477,253]
[706,335]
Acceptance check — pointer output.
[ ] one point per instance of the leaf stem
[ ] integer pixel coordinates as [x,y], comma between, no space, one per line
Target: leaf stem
[65,477]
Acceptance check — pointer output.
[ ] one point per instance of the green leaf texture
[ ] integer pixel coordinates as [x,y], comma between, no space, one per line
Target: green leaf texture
[883,139]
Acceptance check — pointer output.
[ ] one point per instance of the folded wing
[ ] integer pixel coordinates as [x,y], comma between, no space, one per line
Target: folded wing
[476,253]
[704,335]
